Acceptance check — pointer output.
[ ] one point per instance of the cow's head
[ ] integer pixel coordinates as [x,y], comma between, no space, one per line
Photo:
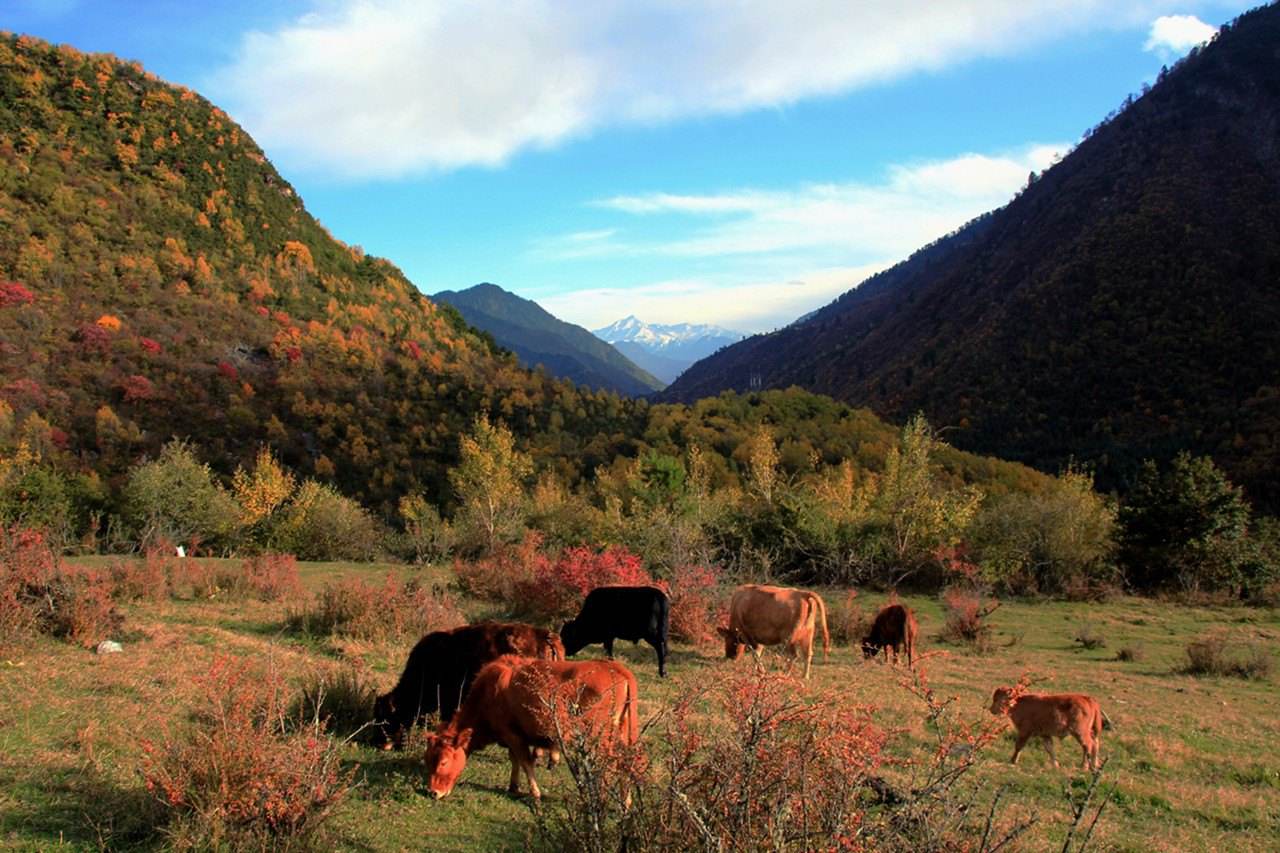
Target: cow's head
[1001,699]
[732,642]
[571,637]
[445,758]
[384,719]
[869,649]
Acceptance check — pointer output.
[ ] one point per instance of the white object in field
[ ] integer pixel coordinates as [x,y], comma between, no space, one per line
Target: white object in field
[107,647]
[182,552]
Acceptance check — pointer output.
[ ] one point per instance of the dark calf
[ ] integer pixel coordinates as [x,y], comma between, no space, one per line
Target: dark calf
[442,666]
[611,613]
[895,630]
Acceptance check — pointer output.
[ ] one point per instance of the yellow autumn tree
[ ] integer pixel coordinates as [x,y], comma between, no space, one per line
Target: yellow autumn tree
[261,490]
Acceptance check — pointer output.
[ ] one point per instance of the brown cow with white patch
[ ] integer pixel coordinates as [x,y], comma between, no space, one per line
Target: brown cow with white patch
[893,630]
[762,615]
[1053,715]
[525,704]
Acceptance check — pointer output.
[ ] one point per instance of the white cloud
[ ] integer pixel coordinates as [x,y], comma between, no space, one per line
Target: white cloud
[1176,34]
[381,88]
[757,239]
[913,205]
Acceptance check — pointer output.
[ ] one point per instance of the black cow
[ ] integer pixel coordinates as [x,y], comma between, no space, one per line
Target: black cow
[442,666]
[632,613]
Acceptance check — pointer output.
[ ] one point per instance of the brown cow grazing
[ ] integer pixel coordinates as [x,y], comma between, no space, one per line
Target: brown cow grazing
[771,615]
[442,666]
[524,704]
[1053,715]
[893,630]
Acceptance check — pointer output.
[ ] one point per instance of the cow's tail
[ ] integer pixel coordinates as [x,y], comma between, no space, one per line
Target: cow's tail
[820,608]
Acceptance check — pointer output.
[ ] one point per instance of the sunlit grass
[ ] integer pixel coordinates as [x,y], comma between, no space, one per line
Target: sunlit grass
[1192,759]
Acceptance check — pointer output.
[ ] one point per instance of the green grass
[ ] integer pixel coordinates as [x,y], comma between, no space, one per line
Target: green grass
[1193,760]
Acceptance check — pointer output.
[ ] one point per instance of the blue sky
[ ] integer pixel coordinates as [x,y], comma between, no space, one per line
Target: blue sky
[738,163]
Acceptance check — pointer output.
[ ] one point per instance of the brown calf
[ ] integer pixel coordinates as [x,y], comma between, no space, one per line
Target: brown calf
[522,703]
[1052,715]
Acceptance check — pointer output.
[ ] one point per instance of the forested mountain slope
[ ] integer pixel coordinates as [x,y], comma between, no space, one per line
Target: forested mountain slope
[159,279]
[539,338]
[1126,304]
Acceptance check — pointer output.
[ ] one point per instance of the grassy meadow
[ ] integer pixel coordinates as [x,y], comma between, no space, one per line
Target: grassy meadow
[1193,760]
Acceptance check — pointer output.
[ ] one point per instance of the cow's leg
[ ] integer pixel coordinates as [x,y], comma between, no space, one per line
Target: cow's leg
[1087,747]
[608,648]
[521,759]
[514,785]
[1017,747]
[661,648]
[1047,740]
[755,653]
[807,651]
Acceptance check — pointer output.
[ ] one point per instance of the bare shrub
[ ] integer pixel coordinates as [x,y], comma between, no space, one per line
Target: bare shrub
[393,610]
[966,611]
[1132,653]
[849,623]
[1089,636]
[244,775]
[1219,653]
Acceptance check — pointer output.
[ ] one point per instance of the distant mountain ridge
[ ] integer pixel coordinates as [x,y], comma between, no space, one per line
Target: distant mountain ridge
[665,350]
[539,338]
[1125,305]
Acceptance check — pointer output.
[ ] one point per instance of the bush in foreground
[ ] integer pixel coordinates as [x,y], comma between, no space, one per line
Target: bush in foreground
[785,768]
[244,775]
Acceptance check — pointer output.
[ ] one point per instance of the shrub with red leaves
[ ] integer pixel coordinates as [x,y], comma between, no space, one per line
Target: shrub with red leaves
[555,588]
[148,345]
[12,293]
[228,370]
[40,593]
[93,339]
[137,387]
[246,775]
[783,769]
[696,598]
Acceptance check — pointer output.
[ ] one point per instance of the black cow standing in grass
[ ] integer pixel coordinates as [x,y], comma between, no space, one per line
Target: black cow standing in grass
[442,666]
[611,613]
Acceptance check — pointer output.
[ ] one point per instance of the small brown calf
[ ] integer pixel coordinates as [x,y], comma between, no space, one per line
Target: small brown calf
[1052,715]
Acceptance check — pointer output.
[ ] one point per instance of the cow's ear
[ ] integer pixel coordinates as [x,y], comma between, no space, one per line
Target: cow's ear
[724,632]
[464,739]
